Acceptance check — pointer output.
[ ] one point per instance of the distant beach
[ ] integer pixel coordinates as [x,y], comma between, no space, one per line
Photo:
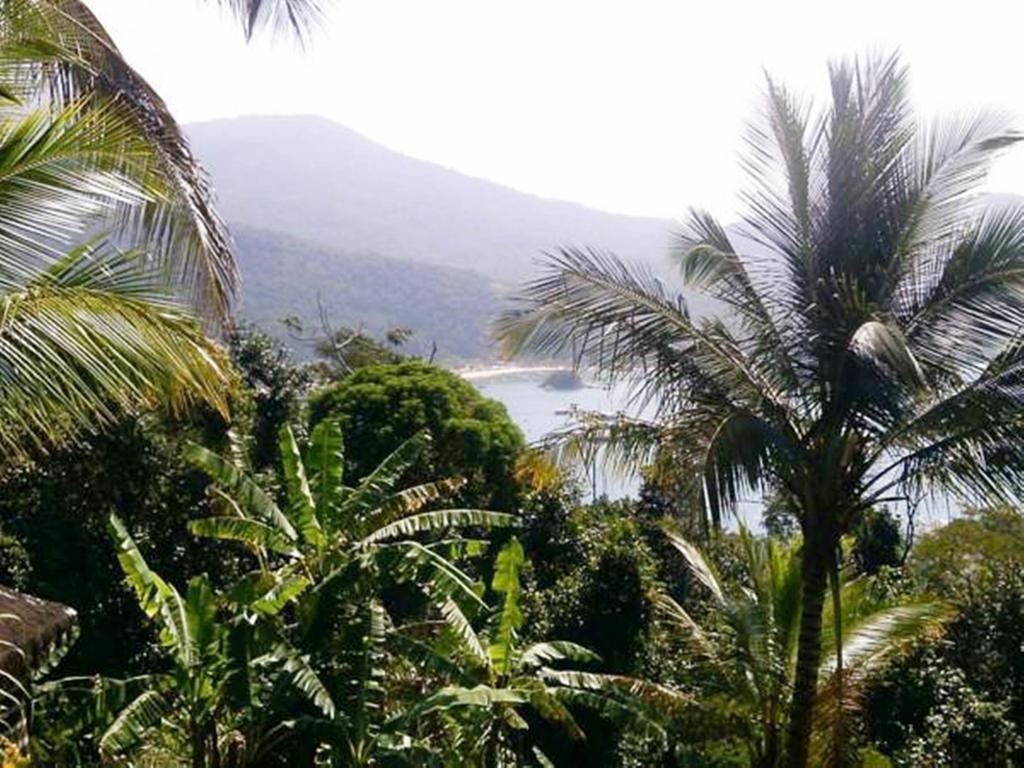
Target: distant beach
[495,371]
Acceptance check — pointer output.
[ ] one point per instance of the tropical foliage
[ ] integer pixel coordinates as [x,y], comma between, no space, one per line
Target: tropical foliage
[503,679]
[747,649]
[357,654]
[111,242]
[872,347]
[346,596]
[335,550]
[90,330]
[196,713]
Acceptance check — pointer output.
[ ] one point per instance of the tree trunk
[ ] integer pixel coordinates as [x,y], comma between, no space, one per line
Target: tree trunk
[198,748]
[805,685]
[771,749]
[839,735]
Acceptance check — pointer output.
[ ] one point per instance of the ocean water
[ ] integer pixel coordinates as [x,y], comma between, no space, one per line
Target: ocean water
[539,410]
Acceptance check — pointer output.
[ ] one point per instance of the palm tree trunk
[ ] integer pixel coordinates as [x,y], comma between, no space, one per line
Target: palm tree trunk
[839,736]
[805,684]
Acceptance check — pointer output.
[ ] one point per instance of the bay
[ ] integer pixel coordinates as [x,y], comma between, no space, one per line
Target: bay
[540,410]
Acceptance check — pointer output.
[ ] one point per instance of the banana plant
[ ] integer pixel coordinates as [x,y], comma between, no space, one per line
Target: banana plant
[201,710]
[503,682]
[332,551]
[745,651]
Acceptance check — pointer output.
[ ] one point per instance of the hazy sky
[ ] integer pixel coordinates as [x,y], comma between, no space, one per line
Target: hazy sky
[634,106]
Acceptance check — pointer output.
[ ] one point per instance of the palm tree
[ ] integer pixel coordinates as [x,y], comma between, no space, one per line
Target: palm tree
[502,679]
[92,162]
[297,16]
[745,652]
[871,346]
[57,51]
[89,331]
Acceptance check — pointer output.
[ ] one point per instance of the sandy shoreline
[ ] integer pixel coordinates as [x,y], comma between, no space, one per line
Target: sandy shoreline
[491,372]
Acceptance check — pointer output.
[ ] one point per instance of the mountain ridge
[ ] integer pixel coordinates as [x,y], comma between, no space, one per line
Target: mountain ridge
[385,239]
[200,126]
[324,182]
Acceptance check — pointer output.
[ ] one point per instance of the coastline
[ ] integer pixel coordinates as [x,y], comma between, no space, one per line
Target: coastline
[494,371]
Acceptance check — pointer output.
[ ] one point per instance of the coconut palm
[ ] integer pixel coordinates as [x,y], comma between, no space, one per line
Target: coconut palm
[89,331]
[58,53]
[92,162]
[870,346]
[745,651]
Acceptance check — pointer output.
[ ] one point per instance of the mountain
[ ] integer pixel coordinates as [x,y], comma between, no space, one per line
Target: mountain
[311,178]
[385,239]
[283,275]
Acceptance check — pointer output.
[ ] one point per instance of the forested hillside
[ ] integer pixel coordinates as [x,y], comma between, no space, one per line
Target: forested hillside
[283,275]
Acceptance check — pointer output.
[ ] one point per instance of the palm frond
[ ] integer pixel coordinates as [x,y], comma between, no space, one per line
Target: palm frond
[404,503]
[509,617]
[297,16]
[91,338]
[672,613]
[949,161]
[545,702]
[376,487]
[253,533]
[456,696]
[58,50]
[413,562]
[325,461]
[302,675]
[541,654]
[621,320]
[157,599]
[781,161]
[886,348]
[669,699]
[697,564]
[251,500]
[974,305]
[711,265]
[457,622]
[875,640]
[283,592]
[623,444]
[150,589]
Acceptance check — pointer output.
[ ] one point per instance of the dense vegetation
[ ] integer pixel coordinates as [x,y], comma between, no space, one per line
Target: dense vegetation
[360,563]
[377,406]
[607,634]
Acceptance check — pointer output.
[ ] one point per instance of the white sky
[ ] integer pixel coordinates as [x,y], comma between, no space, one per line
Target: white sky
[633,106]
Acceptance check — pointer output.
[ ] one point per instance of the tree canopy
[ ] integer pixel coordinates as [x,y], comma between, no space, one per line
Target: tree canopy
[380,406]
